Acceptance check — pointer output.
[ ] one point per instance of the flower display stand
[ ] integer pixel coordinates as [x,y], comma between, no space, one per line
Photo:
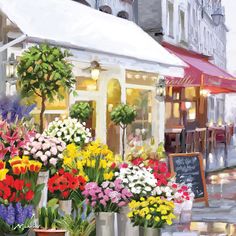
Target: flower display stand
[105,223]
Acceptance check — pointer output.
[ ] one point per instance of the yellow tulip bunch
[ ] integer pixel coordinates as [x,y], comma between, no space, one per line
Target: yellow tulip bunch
[151,212]
[95,162]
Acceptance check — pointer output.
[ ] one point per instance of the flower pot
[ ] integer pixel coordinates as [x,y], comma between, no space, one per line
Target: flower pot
[149,231]
[186,213]
[49,232]
[177,212]
[65,207]
[12,234]
[125,227]
[43,177]
[105,223]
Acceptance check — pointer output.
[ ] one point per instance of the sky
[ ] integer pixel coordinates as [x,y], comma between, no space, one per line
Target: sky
[230,12]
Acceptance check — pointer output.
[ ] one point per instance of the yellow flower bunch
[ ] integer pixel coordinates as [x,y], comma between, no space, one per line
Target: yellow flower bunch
[95,162]
[70,155]
[3,170]
[22,165]
[151,212]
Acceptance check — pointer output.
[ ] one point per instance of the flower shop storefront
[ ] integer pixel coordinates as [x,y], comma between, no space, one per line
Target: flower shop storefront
[109,69]
[59,180]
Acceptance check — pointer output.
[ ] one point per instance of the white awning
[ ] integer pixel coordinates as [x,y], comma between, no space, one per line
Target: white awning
[74,25]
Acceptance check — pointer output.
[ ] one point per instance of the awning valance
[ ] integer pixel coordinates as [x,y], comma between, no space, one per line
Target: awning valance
[70,24]
[201,73]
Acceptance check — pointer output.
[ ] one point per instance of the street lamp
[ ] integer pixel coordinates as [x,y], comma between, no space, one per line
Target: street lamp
[217,14]
[11,67]
[161,88]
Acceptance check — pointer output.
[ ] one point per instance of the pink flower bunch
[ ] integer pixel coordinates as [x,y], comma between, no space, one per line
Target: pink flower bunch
[13,139]
[108,197]
[181,192]
[47,150]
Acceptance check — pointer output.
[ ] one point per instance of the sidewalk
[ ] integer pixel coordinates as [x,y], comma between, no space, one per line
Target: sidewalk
[220,217]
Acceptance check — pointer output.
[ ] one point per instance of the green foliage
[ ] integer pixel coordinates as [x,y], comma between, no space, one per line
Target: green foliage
[123,115]
[43,71]
[81,111]
[48,217]
[77,226]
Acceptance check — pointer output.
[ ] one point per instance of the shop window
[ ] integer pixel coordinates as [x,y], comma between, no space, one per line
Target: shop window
[105,9]
[176,113]
[168,112]
[191,111]
[190,92]
[123,14]
[141,78]
[141,128]
[86,83]
[170,19]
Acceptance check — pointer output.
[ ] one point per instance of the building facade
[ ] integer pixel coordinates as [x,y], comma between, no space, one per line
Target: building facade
[188,24]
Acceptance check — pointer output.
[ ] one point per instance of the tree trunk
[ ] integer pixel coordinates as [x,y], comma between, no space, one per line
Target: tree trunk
[123,143]
[43,108]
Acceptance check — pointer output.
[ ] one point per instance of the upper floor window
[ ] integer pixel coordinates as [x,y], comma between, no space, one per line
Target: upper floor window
[182,25]
[123,14]
[170,19]
[105,9]
[83,2]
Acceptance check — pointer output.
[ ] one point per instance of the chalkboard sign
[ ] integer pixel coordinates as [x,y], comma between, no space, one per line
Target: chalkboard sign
[188,169]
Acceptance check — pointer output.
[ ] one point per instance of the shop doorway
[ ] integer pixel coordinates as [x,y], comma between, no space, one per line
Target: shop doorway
[113,99]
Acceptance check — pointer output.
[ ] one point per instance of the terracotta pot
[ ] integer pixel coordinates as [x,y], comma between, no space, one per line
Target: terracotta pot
[49,232]
[23,234]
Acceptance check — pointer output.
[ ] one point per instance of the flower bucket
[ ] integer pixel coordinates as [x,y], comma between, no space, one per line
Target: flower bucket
[186,213]
[177,212]
[125,227]
[43,177]
[105,223]
[149,232]
[65,207]
[49,232]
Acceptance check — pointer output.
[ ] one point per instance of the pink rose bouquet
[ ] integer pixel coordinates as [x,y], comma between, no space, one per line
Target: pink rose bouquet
[108,197]
[47,150]
[13,139]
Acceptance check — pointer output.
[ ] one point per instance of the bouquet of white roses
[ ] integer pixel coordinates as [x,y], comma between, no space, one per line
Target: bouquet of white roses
[138,180]
[70,131]
[47,150]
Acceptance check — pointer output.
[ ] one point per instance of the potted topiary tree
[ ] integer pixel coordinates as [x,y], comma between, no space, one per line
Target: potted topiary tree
[44,72]
[81,111]
[123,115]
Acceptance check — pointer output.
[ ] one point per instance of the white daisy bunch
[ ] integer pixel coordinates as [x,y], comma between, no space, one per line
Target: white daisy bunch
[70,131]
[47,150]
[138,180]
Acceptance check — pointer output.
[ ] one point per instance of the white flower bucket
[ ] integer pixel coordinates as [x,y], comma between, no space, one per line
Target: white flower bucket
[65,207]
[186,214]
[105,223]
[43,177]
[125,227]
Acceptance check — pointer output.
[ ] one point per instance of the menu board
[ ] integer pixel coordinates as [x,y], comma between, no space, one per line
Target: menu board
[188,169]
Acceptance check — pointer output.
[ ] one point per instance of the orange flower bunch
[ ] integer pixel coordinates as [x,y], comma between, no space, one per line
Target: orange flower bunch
[22,165]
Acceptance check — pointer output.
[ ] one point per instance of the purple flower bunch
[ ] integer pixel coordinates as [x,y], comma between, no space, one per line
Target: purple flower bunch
[108,197]
[16,214]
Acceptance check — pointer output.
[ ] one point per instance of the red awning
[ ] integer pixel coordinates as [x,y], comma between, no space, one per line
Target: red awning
[201,73]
